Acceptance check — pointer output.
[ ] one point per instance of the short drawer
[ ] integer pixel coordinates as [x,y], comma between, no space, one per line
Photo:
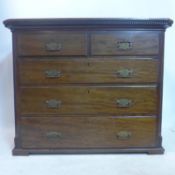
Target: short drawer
[89,100]
[88,132]
[93,70]
[46,43]
[125,43]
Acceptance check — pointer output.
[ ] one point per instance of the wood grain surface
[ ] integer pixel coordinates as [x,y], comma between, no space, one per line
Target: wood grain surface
[34,43]
[89,100]
[80,110]
[142,43]
[88,70]
[87,132]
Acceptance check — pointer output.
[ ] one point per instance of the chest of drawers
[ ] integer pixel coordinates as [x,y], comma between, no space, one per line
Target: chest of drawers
[88,85]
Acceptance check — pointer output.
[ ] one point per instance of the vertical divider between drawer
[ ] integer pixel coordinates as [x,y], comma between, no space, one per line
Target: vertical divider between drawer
[89,43]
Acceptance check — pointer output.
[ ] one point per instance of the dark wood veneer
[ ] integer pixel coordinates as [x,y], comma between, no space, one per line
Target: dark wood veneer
[96,132]
[142,43]
[34,43]
[87,70]
[92,63]
[96,100]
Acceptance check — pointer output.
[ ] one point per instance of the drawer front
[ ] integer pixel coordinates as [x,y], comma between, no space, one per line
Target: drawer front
[89,100]
[125,43]
[51,43]
[107,70]
[87,132]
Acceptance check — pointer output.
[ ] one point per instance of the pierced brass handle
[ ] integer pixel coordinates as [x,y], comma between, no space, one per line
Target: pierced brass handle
[123,135]
[124,45]
[53,46]
[125,73]
[54,135]
[52,73]
[53,103]
[124,103]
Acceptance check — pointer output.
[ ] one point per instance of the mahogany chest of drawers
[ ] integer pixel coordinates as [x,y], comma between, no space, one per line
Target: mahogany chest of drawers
[88,85]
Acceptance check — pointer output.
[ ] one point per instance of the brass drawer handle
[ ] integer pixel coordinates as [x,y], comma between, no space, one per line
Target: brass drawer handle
[52,73]
[124,45]
[124,103]
[53,103]
[123,135]
[53,46]
[125,73]
[54,135]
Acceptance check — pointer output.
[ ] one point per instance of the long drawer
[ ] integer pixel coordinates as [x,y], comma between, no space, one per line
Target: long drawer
[102,100]
[51,43]
[88,132]
[125,43]
[91,70]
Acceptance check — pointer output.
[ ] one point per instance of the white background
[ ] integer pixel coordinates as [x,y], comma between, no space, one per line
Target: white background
[85,164]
